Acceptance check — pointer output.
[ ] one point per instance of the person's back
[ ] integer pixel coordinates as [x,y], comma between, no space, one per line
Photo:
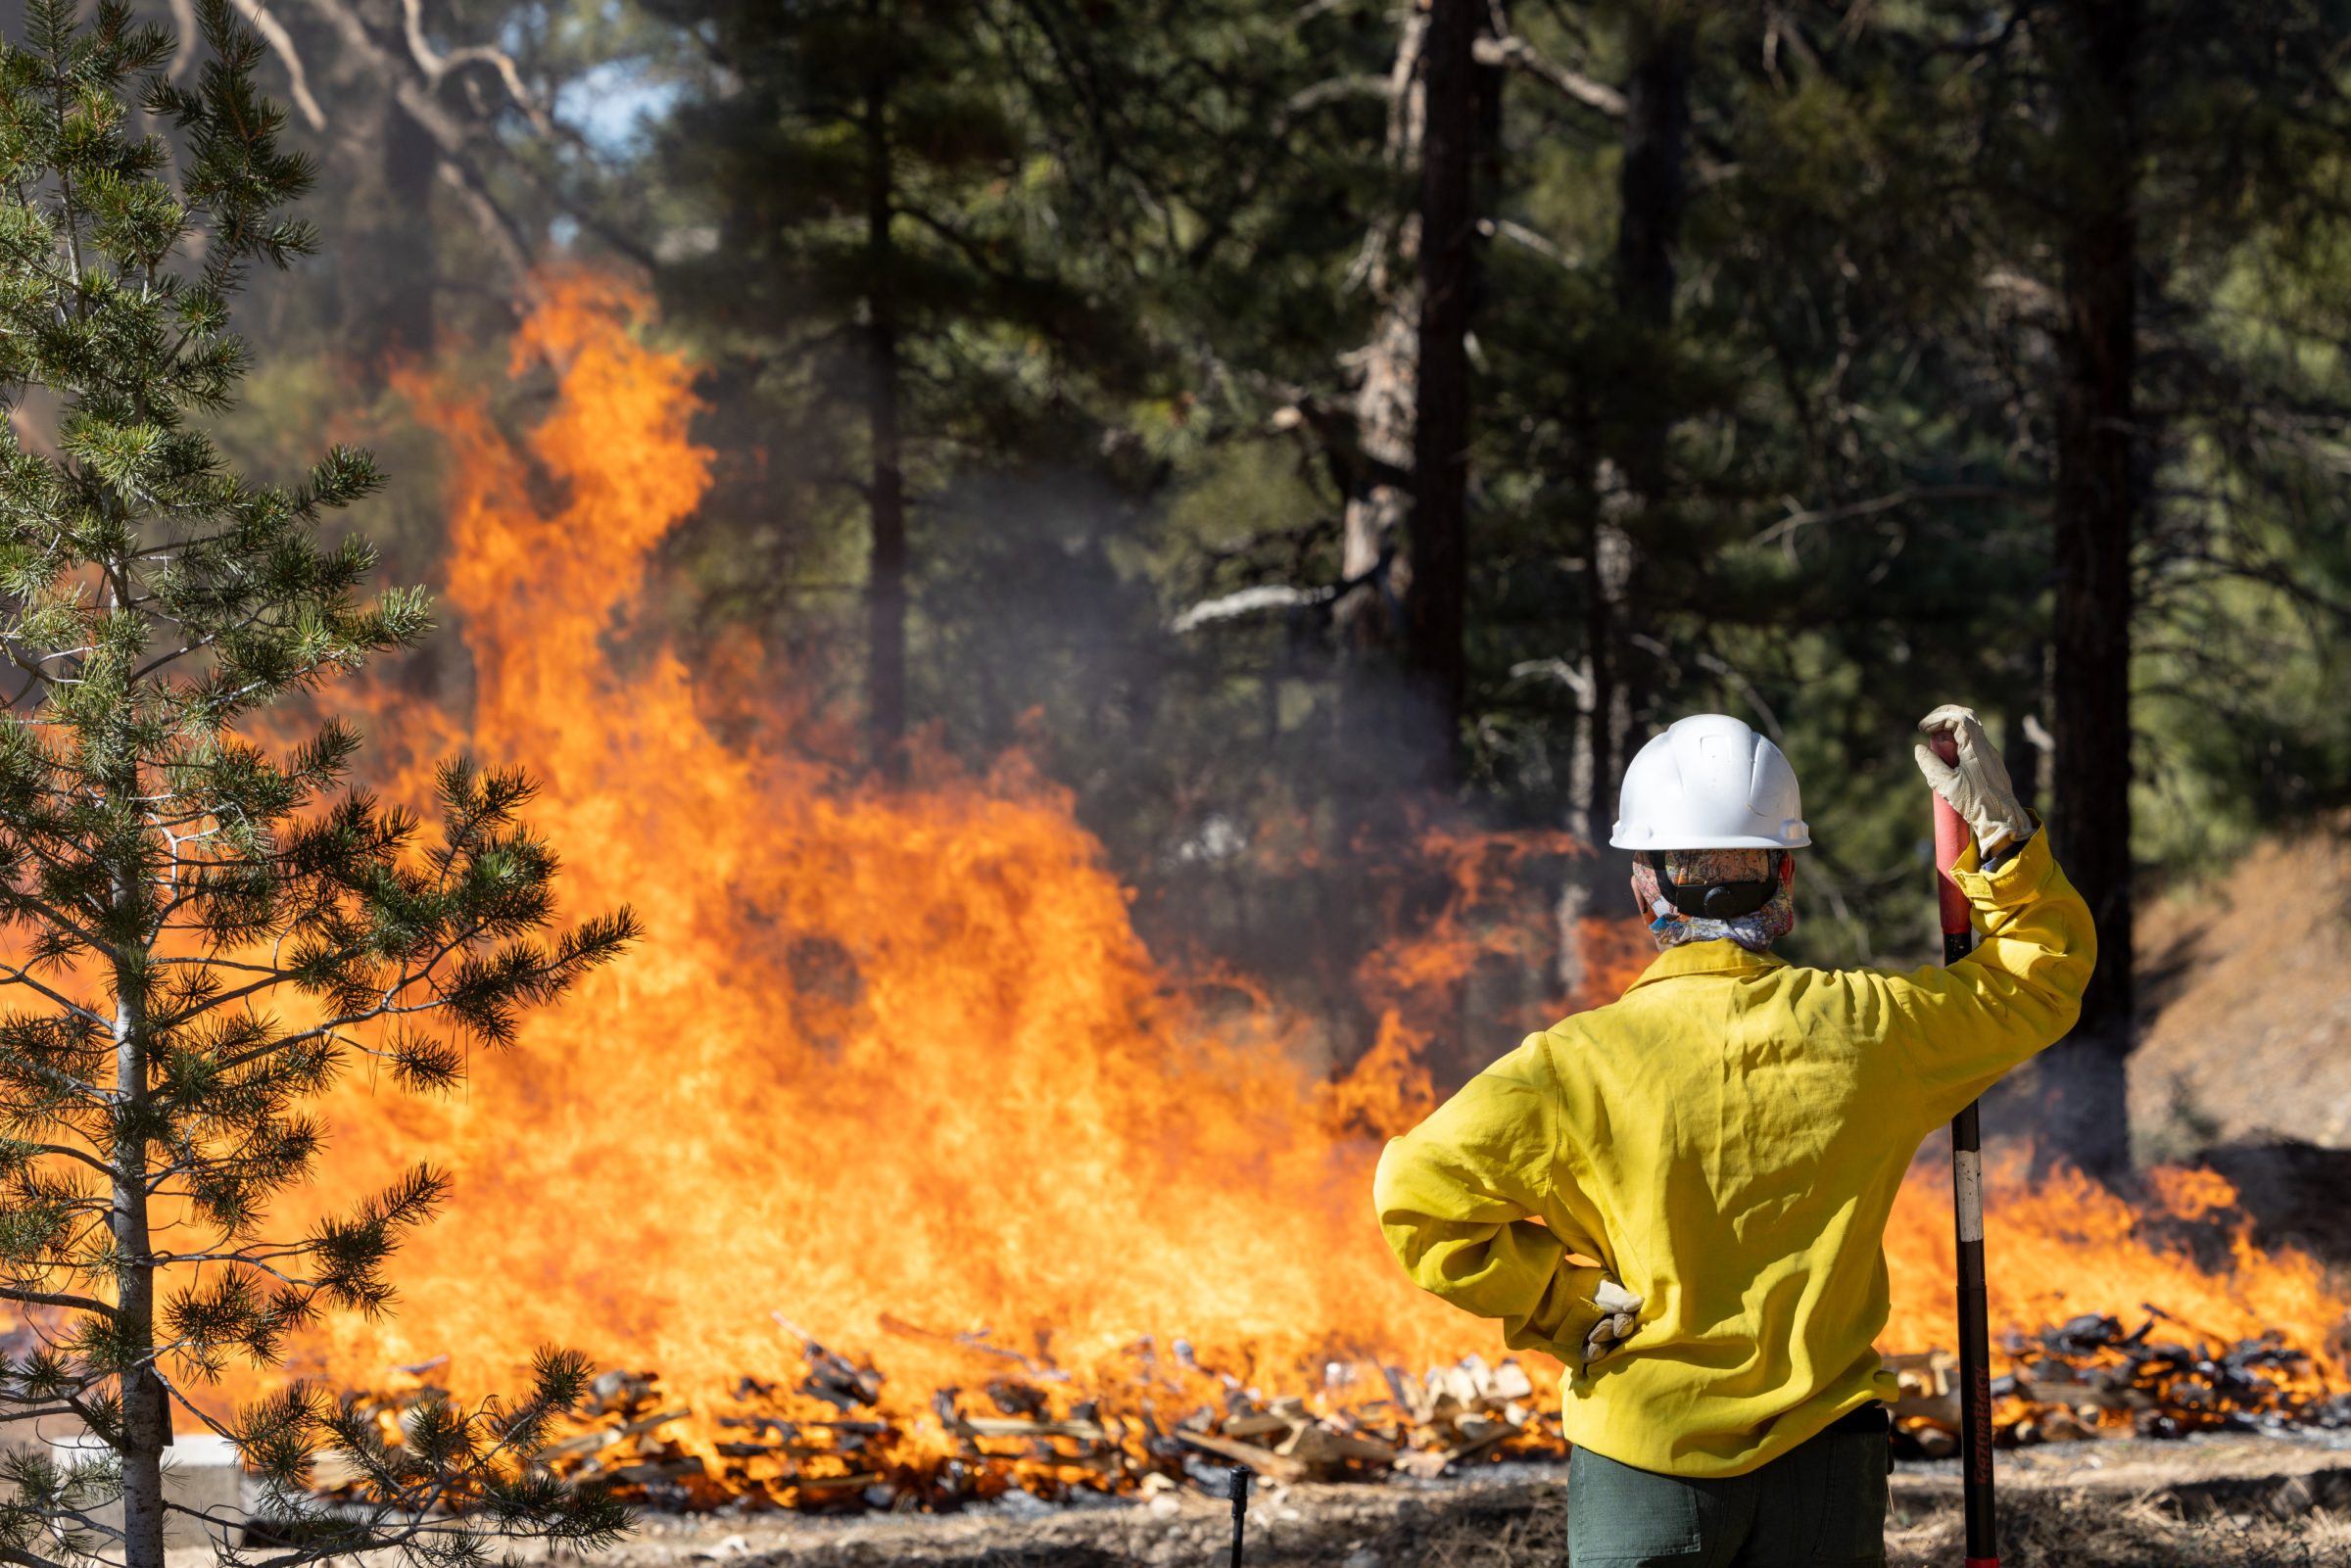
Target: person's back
[1725,1142]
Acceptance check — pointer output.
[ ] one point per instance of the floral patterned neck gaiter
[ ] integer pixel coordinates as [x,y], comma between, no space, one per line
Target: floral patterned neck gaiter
[1685,867]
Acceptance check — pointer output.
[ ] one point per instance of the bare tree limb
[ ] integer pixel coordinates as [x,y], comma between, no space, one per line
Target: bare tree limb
[414,94]
[1249,601]
[1888,503]
[1519,234]
[183,27]
[1305,100]
[35,1297]
[1575,678]
[492,220]
[436,66]
[1265,597]
[1516,54]
[270,29]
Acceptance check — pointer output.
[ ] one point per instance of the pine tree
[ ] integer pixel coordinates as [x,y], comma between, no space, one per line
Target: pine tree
[889,273]
[204,932]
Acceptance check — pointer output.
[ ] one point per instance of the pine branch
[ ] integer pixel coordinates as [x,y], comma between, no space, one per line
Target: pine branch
[14,974]
[80,1155]
[78,1304]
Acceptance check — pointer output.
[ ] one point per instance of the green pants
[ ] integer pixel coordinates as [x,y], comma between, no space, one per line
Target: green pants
[1818,1504]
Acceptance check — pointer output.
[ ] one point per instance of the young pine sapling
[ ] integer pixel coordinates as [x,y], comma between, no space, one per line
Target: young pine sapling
[199,933]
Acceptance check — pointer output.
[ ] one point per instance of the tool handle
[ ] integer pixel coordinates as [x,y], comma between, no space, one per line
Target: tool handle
[1951,839]
[1239,1484]
[1977,1512]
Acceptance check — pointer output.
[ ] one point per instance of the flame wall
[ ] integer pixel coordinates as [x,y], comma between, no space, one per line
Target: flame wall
[880,1052]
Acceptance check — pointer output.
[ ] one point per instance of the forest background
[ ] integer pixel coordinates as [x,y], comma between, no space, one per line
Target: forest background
[1305,429]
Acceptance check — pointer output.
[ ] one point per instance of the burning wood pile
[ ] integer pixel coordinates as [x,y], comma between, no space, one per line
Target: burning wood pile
[2089,1377]
[832,1442]
[829,1442]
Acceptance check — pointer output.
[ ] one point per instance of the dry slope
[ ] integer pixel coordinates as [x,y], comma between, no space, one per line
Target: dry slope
[2248,984]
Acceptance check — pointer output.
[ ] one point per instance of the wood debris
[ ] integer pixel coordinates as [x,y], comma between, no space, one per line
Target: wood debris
[830,1439]
[2089,1377]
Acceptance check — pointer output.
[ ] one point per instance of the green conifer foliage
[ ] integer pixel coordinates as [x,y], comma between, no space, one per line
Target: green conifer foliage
[201,934]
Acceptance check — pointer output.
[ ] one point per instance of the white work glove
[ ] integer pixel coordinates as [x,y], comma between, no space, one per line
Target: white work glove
[1978,787]
[1618,1308]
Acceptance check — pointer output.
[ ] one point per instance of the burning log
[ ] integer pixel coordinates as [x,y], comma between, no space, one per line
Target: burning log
[1265,1462]
[588,1443]
[980,1425]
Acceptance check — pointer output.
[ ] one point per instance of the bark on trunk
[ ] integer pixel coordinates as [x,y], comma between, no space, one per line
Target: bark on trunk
[388,280]
[886,497]
[2098,505]
[146,1408]
[1441,422]
[1387,376]
[1378,750]
[409,159]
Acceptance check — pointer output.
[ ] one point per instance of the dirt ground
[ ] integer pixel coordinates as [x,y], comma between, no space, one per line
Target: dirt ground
[2247,981]
[2245,1503]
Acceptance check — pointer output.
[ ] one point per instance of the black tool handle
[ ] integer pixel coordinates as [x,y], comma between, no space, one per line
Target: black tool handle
[1975,1346]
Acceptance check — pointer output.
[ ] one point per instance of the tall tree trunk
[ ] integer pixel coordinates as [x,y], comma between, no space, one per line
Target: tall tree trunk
[2097,504]
[410,161]
[1369,738]
[1631,486]
[387,280]
[886,484]
[1613,697]
[1441,419]
[1379,752]
[1387,376]
[146,1407]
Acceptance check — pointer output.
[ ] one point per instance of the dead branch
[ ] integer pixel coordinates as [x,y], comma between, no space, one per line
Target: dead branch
[414,94]
[275,33]
[1514,53]
[436,66]
[1305,100]
[1526,238]
[1881,503]
[183,25]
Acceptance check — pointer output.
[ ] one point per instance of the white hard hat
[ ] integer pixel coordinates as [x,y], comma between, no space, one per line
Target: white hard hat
[1709,782]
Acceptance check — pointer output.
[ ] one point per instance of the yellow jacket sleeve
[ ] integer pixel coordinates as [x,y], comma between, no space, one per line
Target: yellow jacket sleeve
[1459,1198]
[1964,1025]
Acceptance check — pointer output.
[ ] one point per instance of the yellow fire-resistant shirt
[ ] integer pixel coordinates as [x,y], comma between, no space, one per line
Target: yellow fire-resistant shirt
[1727,1139]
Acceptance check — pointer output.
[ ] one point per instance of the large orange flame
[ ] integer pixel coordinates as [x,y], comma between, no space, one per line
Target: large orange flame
[893,1066]
[882,1053]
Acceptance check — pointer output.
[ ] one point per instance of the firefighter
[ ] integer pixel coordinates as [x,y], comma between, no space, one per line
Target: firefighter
[1683,1195]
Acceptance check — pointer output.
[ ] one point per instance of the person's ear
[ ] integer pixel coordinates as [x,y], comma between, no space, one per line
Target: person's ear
[1786,871]
[1639,904]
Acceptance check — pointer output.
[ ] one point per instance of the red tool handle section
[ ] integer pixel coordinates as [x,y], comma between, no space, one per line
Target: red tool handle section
[1950,843]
